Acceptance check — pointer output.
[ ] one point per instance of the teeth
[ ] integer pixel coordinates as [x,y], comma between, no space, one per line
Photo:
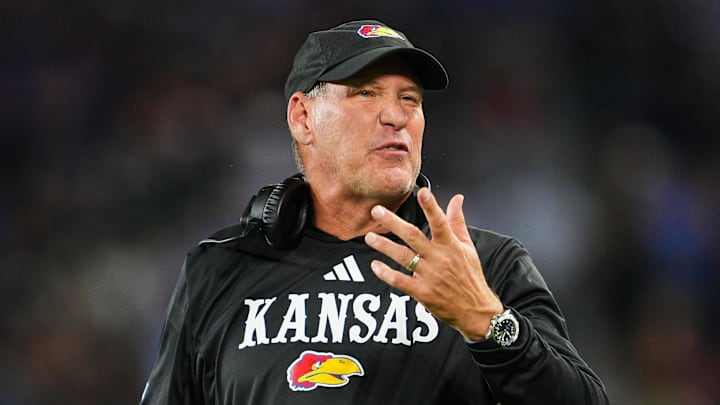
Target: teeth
[394,147]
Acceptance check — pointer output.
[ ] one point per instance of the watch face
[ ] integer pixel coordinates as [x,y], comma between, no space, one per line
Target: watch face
[506,332]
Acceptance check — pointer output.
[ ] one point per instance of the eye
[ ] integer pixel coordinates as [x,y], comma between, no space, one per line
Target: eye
[365,93]
[411,99]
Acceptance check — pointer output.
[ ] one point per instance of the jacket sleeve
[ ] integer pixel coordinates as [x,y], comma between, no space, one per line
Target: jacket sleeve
[542,366]
[171,378]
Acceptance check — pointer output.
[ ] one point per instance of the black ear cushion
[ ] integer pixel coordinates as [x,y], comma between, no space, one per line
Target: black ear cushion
[423,181]
[256,208]
[272,203]
[284,212]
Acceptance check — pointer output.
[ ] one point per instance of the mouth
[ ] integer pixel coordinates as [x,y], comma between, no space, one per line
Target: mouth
[394,147]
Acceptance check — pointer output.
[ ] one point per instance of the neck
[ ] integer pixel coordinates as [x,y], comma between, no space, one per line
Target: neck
[349,218]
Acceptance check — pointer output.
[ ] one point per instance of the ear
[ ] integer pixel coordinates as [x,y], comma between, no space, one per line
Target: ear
[298,118]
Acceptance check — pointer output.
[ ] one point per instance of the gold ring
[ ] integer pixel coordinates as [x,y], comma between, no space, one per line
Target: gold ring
[414,262]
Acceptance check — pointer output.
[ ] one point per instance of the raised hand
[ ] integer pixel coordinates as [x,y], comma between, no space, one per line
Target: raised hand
[447,276]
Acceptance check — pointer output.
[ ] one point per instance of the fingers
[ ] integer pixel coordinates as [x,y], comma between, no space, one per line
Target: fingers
[445,226]
[448,277]
[401,254]
[409,233]
[446,229]
[438,221]
[456,218]
[393,277]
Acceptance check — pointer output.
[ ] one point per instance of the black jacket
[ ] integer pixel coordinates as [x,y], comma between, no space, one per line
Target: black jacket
[249,324]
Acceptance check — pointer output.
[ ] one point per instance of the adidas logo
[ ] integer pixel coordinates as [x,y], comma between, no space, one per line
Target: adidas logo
[348,270]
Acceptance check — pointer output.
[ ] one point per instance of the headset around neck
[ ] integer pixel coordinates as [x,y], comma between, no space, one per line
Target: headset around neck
[281,210]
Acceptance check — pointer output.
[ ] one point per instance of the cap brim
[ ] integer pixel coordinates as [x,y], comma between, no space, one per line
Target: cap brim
[429,70]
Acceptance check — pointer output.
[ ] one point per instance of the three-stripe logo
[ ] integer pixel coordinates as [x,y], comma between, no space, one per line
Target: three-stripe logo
[348,270]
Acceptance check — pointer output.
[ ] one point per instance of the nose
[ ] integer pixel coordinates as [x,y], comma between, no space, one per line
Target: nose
[393,114]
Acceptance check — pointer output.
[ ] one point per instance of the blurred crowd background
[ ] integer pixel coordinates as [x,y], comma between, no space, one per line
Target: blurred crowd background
[131,130]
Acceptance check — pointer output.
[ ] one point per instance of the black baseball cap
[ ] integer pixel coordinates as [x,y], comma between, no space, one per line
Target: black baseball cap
[338,53]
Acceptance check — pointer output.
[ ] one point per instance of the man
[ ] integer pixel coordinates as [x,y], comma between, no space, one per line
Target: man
[349,284]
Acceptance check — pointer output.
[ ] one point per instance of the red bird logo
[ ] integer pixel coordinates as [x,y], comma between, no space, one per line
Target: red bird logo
[374,31]
[312,369]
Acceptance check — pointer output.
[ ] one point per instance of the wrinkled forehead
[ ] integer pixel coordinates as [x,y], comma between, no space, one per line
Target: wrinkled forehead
[390,65]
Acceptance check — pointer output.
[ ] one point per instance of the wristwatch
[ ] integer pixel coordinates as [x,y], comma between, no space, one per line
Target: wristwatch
[504,329]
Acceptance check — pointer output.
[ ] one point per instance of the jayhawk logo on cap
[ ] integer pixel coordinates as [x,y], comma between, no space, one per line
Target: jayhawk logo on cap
[312,369]
[374,31]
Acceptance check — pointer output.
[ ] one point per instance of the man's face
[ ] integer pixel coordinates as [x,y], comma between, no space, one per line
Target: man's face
[368,132]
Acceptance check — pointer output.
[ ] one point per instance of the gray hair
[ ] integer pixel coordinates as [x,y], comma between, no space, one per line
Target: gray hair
[314,92]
